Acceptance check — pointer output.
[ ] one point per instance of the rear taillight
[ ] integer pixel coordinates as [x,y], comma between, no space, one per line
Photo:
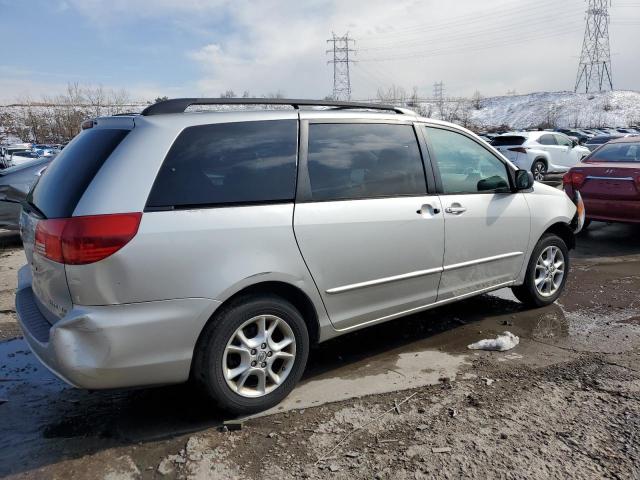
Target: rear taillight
[518,149]
[574,179]
[82,240]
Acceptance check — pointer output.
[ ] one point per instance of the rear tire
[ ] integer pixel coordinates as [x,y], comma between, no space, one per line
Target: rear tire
[539,170]
[546,274]
[237,339]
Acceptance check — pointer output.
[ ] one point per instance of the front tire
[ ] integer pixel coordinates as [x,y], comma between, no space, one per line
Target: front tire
[252,354]
[547,273]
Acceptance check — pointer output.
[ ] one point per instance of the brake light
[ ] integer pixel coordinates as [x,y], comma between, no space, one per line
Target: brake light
[518,149]
[574,179]
[83,240]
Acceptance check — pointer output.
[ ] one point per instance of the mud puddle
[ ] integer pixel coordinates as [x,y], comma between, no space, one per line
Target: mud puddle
[43,420]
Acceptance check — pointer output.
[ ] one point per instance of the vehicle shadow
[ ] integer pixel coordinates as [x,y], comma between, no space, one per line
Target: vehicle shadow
[44,421]
[9,239]
[602,240]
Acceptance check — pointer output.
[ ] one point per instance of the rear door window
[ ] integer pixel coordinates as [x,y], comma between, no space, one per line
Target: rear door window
[59,189]
[358,161]
[547,140]
[229,163]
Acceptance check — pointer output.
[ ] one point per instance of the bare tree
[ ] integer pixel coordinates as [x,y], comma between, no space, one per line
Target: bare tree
[119,100]
[57,118]
[96,97]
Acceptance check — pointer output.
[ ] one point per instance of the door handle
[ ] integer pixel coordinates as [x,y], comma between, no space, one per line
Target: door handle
[455,210]
[428,208]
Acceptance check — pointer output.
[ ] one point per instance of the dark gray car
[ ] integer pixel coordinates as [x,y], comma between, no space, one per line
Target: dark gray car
[15,183]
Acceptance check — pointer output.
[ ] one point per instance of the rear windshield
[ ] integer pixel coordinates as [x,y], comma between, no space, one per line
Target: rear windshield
[59,189]
[508,140]
[617,152]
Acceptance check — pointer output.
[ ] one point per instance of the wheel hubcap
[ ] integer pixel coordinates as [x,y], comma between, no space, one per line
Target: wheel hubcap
[538,172]
[259,356]
[549,271]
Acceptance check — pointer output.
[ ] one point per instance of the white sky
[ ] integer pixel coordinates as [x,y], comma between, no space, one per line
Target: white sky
[491,45]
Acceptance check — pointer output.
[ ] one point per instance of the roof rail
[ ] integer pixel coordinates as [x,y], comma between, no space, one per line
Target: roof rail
[179,105]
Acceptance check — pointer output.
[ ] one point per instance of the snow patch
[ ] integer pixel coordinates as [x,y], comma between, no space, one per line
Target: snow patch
[503,342]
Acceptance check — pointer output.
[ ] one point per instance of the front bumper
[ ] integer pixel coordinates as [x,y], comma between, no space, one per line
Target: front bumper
[114,346]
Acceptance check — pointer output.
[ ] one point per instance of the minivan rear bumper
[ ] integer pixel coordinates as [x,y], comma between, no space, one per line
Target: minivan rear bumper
[114,346]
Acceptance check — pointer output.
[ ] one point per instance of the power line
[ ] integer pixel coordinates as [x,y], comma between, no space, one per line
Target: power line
[475,46]
[518,27]
[341,61]
[594,69]
[517,11]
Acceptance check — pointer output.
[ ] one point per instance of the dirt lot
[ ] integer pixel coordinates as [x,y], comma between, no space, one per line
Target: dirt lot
[405,399]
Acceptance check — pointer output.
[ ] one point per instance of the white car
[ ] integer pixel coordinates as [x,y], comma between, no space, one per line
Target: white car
[20,158]
[540,152]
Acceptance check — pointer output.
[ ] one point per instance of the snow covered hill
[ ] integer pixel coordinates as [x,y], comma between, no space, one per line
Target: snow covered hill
[560,109]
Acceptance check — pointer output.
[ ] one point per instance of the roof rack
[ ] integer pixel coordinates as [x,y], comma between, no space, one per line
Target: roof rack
[179,105]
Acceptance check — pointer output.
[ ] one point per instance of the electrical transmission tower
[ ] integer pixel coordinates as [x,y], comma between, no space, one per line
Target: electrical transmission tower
[594,70]
[341,51]
[438,95]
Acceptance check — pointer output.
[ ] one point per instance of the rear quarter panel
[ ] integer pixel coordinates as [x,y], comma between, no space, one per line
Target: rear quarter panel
[203,253]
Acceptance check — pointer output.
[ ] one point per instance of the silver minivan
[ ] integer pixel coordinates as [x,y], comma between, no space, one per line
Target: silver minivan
[218,246]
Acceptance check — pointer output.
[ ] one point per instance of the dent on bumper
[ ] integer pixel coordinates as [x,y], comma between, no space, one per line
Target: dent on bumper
[117,346]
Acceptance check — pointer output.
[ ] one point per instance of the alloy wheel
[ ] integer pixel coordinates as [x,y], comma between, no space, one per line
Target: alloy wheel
[259,356]
[539,171]
[549,272]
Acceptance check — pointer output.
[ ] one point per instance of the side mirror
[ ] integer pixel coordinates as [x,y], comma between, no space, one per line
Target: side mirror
[524,180]
[574,142]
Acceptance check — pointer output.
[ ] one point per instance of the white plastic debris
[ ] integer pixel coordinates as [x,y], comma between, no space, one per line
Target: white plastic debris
[503,342]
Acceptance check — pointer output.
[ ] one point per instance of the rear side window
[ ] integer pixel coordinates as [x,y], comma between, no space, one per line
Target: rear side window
[508,140]
[547,140]
[59,189]
[357,161]
[617,152]
[229,163]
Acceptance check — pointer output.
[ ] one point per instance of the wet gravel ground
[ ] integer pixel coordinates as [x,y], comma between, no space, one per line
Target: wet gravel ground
[564,403]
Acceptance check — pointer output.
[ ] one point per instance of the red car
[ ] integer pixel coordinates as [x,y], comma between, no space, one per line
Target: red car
[609,182]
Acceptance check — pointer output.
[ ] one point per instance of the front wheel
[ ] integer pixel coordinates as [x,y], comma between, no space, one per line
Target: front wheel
[251,354]
[546,273]
[539,170]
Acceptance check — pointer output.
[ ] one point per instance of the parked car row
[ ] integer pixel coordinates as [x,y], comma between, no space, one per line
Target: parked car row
[582,135]
[19,154]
